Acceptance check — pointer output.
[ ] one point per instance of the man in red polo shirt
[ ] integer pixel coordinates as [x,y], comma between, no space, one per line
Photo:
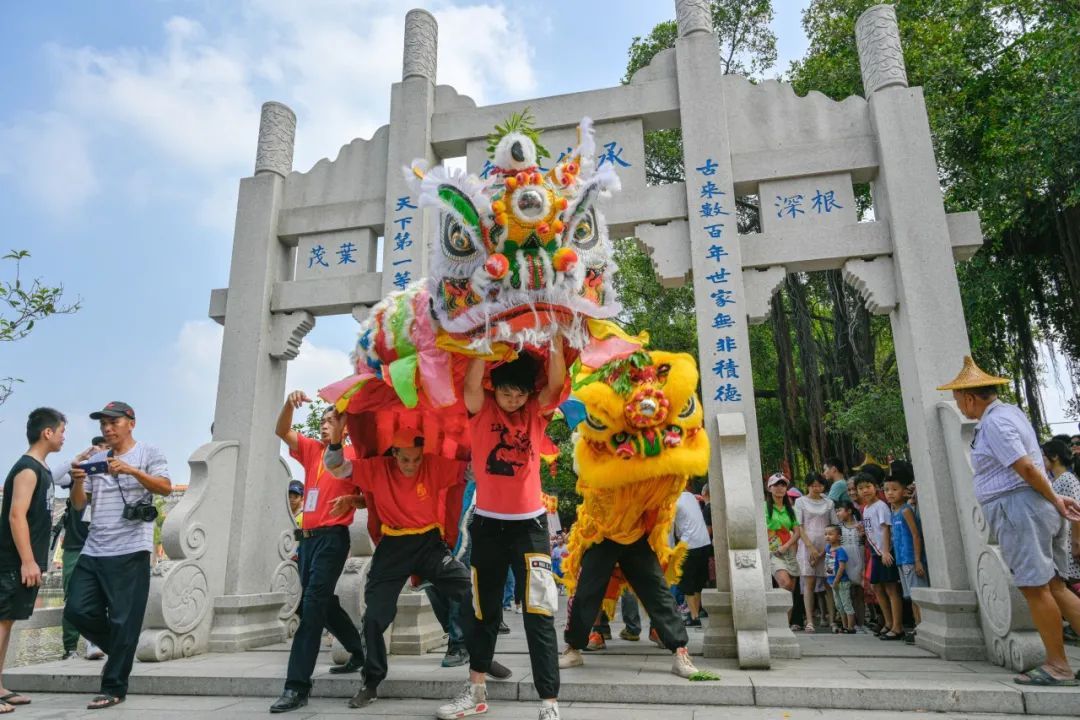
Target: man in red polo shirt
[324,547]
[409,487]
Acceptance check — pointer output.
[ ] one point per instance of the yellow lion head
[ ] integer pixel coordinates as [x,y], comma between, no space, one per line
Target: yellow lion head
[644,420]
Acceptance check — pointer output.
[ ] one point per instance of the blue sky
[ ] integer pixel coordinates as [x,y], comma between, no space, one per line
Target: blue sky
[125,127]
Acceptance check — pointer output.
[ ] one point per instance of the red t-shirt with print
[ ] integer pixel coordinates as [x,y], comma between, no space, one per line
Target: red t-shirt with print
[506,459]
[309,453]
[408,503]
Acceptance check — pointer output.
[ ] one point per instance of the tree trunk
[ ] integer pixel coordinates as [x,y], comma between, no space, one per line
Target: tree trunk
[786,383]
[809,363]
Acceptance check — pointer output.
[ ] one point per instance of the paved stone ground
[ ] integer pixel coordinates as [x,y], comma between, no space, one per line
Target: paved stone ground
[55,706]
[850,672]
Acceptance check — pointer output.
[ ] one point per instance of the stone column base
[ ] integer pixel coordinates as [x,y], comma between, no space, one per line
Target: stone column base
[950,623]
[720,633]
[243,622]
[782,642]
[416,629]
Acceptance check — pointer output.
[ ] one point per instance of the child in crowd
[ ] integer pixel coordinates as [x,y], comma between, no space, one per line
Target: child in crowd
[836,561]
[884,575]
[852,541]
[906,545]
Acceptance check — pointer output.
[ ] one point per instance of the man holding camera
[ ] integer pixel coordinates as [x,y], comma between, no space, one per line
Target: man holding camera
[324,547]
[111,582]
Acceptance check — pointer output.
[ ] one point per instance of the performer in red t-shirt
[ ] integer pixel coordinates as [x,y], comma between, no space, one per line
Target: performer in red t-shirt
[409,487]
[509,526]
[324,547]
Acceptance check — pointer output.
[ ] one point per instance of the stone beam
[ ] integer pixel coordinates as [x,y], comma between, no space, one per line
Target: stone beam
[857,156]
[329,296]
[294,222]
[655,103]
[657,204]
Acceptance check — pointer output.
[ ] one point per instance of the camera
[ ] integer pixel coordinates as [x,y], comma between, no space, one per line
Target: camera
[143,510]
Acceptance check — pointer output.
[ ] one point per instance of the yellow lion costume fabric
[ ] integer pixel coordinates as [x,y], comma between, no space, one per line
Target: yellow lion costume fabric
[641,439]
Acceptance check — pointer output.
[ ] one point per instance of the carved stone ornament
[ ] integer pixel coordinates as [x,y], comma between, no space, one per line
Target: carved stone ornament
[421,45]
[993,590]
[277,135]
[746,559]
[693,16]
[880,56]
[287,331]
[185,597]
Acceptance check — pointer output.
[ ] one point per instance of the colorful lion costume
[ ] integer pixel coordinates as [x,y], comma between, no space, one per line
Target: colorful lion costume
[641,439]
[518,257]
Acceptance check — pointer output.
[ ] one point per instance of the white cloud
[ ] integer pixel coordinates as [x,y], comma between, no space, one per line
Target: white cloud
[189,109]
[48,157]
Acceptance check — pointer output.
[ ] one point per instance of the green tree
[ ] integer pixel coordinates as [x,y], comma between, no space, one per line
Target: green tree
[312,423]
[1002,87]
[22,305]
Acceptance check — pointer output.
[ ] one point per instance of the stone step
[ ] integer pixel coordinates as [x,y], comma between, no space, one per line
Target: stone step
[893,683]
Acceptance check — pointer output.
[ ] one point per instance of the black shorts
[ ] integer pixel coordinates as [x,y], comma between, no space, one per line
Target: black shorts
[882,573]
[16,600]
[695,570]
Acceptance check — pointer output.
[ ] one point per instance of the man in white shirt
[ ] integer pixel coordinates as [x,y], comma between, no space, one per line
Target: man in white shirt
[111,583]
[690,527]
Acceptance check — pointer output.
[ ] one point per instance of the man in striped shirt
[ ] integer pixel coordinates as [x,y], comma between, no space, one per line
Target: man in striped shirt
[110,585]
[1023,513]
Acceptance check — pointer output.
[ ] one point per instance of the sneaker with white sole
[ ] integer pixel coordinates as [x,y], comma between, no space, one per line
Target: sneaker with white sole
[571,658]
[471,701]
[681,664]
[549,711]
[93,652]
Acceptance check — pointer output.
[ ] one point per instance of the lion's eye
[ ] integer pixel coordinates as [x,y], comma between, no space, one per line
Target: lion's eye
[691,406]
[594,423]
[457,243]
[584,235]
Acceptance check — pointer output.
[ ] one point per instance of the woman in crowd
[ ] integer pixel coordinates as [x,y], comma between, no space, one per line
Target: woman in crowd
[815,512]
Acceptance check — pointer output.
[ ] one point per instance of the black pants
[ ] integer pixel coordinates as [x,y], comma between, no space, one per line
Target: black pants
[642,570]
[396,558]
[322,558]
[524,547]
[448,612]
[106,603]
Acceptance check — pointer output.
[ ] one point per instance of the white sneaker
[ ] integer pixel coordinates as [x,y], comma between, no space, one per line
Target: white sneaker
[571,658]
[681,664]
[471,701]
[549,712]
[93,652]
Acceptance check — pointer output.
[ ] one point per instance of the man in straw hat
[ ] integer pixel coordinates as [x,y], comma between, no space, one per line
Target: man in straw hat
[1023,512]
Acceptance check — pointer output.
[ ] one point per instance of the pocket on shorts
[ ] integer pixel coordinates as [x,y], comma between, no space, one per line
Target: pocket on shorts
[541,595]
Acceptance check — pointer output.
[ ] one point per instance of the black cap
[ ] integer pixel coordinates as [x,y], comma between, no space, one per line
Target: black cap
[114,409]
[98,440]
[296,487]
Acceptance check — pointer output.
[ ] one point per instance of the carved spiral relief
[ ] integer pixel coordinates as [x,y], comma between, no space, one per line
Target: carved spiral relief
[880,56]
[195,541]
[165,646]
[693,16]
[286,545]
[978,520]
[999,649]
[994,597]
[286,579]
[421,45]
[277,133]
[187,645]
[185,598]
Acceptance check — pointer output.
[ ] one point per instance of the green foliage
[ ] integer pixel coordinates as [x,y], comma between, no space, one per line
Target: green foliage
[564,483]
[22,305]
[522,122]
[311,425]
[873,415]
[1002,88]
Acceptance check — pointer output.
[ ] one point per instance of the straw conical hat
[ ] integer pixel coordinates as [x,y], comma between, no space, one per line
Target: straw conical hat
[972,377]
